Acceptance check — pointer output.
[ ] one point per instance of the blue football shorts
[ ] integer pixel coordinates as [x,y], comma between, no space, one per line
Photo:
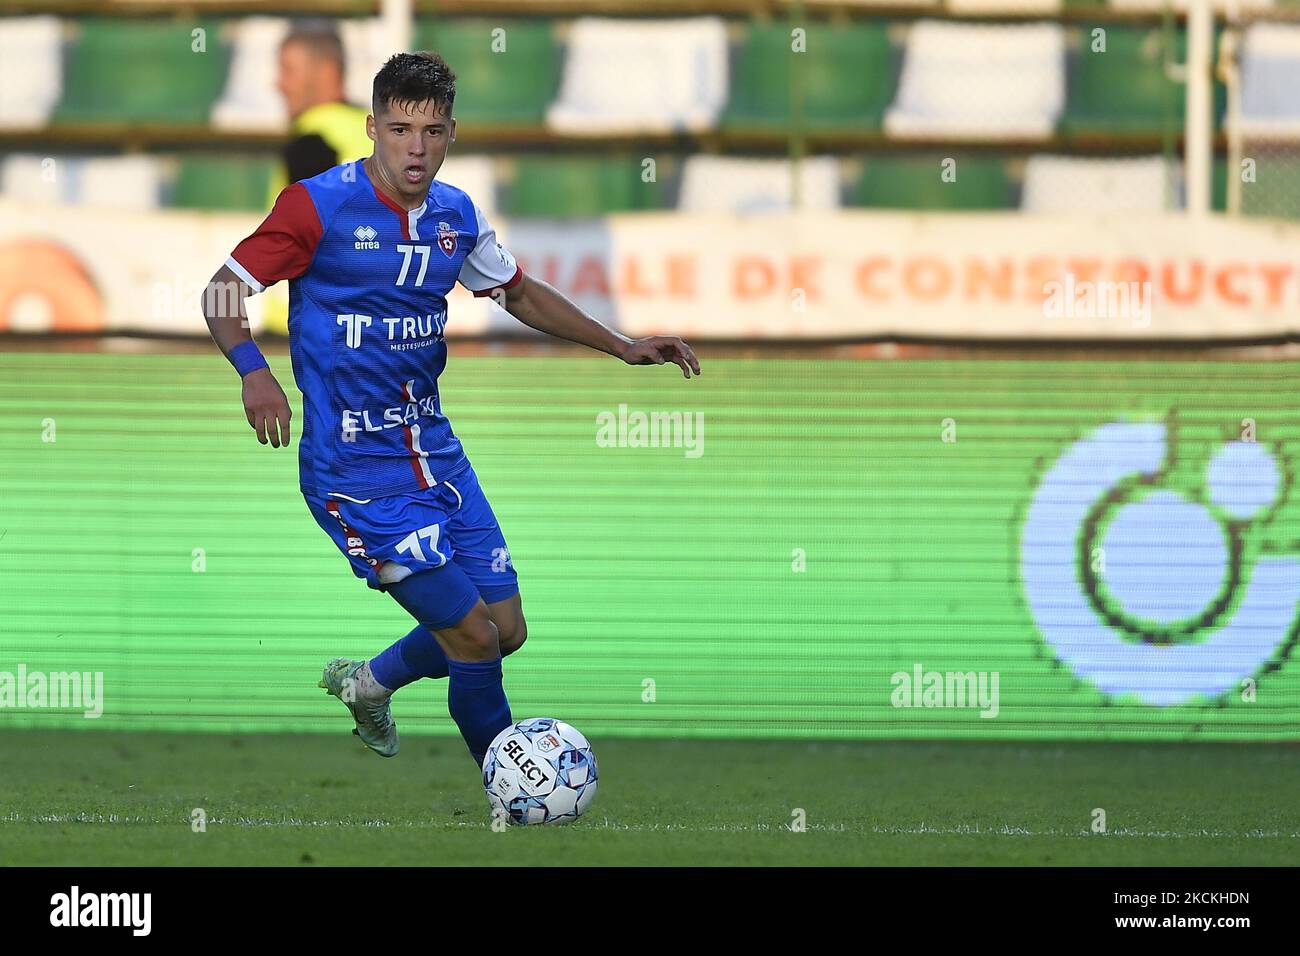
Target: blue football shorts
[449,527]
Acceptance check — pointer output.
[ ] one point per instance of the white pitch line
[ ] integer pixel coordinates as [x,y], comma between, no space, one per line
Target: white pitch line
[606,824]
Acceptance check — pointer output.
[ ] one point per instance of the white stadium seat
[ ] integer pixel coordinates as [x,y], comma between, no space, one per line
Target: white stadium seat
[1270,80]
[722,184]
[979,82]
[37,178]
[366,47]
[473,175]
[31,70]
[1180,6]
[121,182]
[642,76]
[867,4]
[1070,184]
[124,182]
[986,8]
[250,100]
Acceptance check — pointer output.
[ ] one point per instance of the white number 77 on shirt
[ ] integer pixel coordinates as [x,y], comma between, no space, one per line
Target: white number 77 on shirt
[411,544]
[406,251]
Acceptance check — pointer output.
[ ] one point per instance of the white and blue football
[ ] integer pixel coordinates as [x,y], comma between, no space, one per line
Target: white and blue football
[540,771]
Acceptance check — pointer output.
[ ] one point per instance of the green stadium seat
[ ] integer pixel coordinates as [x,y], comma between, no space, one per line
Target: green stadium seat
[914,182]
[223,182]
[510,87]
[579,186]
[849,72]
[143,71]
[1125,89]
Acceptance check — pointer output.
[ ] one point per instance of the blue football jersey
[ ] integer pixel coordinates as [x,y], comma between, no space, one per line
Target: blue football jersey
[368,284]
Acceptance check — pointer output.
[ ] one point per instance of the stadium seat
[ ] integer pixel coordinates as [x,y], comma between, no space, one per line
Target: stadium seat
[915,182]
[474,175]
[1022,8]
[510,87]
[980,82]
[31,69]
[1066,184]
[214,181]
[764,70]
[133,70]
[562,187]
[877,4]
[1180,6]
[35,178]
[1270,79]
[366,47]
[642,76]
[1126,88]
[250,100]
[724,184]
[121,182]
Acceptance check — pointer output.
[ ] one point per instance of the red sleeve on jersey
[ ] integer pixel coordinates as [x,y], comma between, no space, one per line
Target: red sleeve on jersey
[513,281]
[284,244]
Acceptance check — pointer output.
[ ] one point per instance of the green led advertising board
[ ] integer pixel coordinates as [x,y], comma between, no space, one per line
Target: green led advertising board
[837,549]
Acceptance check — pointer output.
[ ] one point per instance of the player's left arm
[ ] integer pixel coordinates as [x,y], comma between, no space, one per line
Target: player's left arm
[541,306]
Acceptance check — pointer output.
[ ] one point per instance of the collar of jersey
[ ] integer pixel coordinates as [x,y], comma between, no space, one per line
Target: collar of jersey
[409,216]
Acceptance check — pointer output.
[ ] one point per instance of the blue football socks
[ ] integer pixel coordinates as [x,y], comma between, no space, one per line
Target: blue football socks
[477,702]
[416,655]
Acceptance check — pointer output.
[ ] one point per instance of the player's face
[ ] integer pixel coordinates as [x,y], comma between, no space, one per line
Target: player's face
[411,141]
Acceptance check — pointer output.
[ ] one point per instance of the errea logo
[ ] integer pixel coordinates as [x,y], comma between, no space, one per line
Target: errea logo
[366,237]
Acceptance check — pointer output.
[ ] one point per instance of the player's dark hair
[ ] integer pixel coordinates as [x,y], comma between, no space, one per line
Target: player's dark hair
[320,38]
[414,78]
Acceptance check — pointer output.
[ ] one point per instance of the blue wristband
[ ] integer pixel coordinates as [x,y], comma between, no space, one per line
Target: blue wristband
[247,357]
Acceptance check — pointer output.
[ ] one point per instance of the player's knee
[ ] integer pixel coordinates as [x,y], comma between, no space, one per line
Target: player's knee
[476,638]
[513,635]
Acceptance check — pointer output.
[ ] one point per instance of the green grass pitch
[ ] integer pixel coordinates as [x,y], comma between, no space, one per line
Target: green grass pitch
[108,798]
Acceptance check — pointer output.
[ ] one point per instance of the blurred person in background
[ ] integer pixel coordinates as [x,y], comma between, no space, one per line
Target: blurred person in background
[325,130]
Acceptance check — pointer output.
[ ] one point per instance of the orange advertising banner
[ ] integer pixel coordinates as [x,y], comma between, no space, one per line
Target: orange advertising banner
[850,275]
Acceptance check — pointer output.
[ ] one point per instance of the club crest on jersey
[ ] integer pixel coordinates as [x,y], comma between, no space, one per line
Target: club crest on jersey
[447,239]
[365,237]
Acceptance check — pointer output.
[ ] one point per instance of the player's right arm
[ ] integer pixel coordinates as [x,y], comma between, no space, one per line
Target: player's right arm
[282,247]
[265,405]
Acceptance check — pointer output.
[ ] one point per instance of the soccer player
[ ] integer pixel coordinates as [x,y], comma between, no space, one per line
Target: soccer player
[371,249]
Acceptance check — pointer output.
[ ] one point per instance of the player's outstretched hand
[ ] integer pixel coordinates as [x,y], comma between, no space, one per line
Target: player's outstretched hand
[657,349]
[266,407]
